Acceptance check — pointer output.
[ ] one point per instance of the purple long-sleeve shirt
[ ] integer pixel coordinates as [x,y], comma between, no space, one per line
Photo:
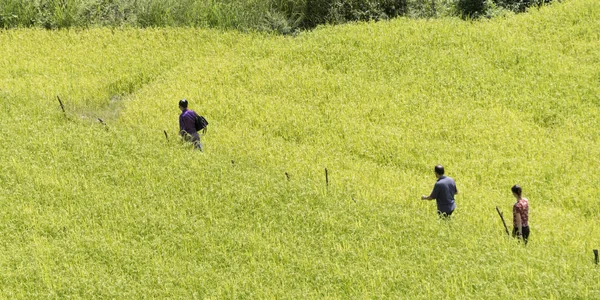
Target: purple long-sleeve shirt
[187,122]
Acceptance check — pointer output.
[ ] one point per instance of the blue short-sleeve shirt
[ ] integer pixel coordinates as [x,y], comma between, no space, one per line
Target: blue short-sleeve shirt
[443,193]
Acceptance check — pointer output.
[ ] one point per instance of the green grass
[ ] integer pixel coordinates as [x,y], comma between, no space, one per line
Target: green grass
[117,211]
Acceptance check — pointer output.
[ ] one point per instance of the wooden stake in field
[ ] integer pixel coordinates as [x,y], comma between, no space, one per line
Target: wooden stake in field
[596,255]
[166,135]
[103,123]
[61,105]
[287,176]
[326,178]
[503,222]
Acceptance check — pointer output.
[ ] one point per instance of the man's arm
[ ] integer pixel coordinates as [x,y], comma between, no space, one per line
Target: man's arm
[181,131]
[519,224]
[433,195]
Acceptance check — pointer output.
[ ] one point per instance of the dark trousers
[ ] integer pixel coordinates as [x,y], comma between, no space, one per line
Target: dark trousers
[443,214]
[525,230]
[194,139]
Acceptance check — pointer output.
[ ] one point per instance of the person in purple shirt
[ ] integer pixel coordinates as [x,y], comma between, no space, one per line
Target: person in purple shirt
[187,125]
[443,193]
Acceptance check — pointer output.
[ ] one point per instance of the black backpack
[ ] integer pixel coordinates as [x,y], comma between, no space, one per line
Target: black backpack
[200,123]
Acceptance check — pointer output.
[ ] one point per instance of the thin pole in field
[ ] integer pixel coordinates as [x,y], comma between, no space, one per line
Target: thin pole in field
[596,255]
[287,175]
[326,178]
[166,135]
[103,123]
[503,222]
[61,105]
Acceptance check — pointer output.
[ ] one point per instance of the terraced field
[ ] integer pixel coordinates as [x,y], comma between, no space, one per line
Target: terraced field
[117,210]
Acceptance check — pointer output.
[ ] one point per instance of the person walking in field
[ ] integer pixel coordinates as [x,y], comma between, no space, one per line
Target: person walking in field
[520,215]
[443,193]
[187,127]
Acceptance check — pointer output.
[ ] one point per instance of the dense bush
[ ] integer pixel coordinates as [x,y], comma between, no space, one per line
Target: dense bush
[316,12]
[107,12]
[284,16]
[470,8]
[519,5]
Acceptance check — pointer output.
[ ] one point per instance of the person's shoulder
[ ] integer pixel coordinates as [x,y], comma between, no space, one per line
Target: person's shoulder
[522,203]
[189,113]
[518,206]
[448,179]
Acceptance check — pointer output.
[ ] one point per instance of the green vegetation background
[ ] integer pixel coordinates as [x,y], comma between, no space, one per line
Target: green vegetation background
[282,16]
[117,211]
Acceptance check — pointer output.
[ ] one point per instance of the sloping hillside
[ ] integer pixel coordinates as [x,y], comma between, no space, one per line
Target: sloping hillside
[116,209]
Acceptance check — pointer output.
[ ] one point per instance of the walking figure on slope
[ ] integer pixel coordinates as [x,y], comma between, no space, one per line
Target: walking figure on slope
[187,125]
[443,193]
[520,215]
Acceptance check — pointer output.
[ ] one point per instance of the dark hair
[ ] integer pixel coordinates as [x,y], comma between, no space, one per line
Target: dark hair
[516,189]
[183,103]
[439,169]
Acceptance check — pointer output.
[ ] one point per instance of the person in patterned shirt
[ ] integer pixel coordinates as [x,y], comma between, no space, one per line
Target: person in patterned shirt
[520,214]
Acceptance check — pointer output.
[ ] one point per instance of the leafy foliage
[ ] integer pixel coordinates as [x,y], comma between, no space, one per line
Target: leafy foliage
[284,16]
[471,8]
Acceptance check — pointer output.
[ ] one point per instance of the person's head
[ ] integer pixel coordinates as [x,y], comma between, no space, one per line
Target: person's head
[516,190]
[439,171]
[183,104]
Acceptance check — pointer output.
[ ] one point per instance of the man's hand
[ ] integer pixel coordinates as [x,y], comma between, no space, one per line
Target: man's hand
[425,197]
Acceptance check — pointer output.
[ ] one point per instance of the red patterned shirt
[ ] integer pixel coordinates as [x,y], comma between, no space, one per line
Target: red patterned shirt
[521,208]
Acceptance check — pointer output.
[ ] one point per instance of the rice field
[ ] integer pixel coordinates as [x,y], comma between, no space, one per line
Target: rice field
[116,209]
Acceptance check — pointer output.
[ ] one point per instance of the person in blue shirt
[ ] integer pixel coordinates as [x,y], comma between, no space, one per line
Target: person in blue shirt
[443,193]
[187,125]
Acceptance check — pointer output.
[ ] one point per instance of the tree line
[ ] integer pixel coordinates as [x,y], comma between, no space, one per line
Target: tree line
[283,16]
